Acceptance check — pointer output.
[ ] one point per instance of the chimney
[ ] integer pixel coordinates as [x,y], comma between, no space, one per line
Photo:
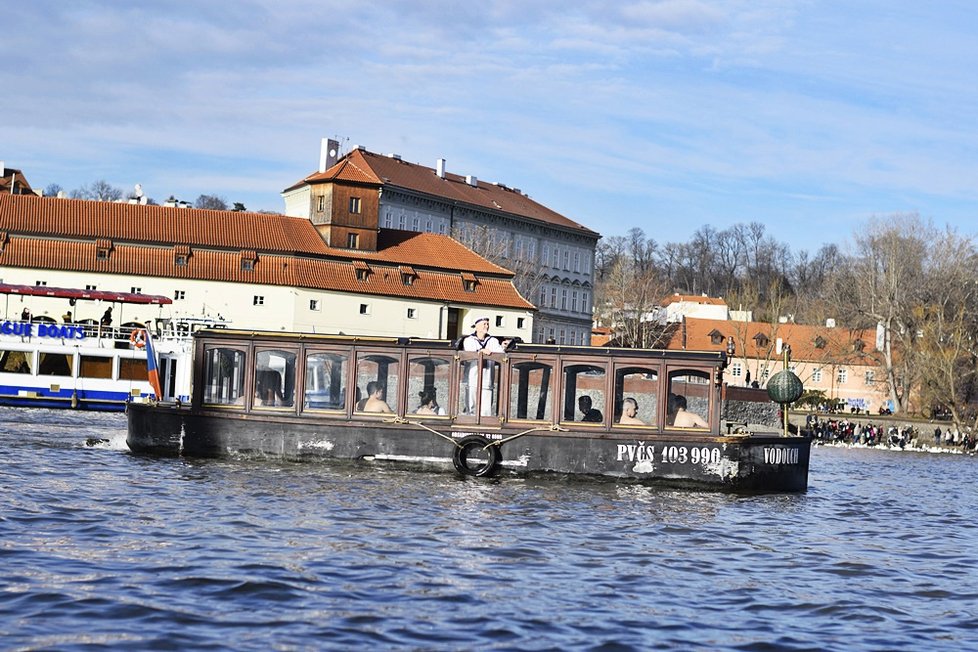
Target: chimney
[3,170]
[441,168]
[329,154]
[471,180]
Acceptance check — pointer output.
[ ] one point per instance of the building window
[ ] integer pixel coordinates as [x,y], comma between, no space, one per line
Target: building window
[412,313]
[543,295]
[817,376]
[89,287]
[574,301]
[499,321]
[521,323]
[736,370]
[40,283]
[555,258]
[577,261]
[401,221]
[322,203]
[134,290]
[841,376]
[761,340]
[179,295]
[180,260]
[563,299]
[352,240]
[314,304]
[355,205]
[553,297]
[416,224]
[362,274]
[585,298]
[567,260]
[820,342]
[258,300]
[469,286]
[870,377]
[247,264]
[102,254]
[364,308]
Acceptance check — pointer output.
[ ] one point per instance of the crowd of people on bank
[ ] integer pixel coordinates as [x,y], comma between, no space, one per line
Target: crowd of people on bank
[843,431]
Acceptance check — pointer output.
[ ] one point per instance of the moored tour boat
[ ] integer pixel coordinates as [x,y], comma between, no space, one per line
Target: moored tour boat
[89,365]
[533,409]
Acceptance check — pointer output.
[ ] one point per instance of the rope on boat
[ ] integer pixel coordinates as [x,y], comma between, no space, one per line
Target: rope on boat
[400,420]
[553,427]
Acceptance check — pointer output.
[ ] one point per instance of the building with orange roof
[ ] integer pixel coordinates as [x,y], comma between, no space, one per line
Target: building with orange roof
[840,362]
[353,197]
[261,271]
[13,182]
[676,306]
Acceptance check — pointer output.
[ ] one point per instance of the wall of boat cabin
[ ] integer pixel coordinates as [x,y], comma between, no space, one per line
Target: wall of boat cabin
[260,307]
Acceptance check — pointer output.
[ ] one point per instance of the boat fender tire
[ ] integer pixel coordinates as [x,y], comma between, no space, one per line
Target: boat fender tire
[471,457]
[137,338]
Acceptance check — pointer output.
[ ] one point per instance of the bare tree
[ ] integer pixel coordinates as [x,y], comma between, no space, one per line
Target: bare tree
[211,202]
[100,190]
[883,283]
[948,363]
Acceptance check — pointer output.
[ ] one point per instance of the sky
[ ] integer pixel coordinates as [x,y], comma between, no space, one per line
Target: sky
[810,117]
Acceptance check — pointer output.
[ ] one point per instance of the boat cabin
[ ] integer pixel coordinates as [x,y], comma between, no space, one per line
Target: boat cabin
[376,378]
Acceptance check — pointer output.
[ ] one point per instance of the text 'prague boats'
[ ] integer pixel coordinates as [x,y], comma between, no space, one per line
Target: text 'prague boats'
[647,415]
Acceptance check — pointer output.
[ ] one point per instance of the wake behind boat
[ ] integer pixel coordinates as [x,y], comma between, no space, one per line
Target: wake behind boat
[647,415]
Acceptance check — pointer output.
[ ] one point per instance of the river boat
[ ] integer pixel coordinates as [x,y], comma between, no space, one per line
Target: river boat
[87,365]
[301,396]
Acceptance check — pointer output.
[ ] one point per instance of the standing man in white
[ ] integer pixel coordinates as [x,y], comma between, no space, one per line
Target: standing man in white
[482,342]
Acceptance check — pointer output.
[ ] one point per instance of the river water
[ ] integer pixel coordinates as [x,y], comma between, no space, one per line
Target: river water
[104,549]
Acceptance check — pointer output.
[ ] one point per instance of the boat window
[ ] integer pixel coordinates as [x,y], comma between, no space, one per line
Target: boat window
[378,376]
[224,376]
[18,362]
[54,364]
[427,391]
[94,366]
[531,391]
[274,378]
[326,375]
[133,369]
[689,399]
[584,393]
[481,388]
[636,396]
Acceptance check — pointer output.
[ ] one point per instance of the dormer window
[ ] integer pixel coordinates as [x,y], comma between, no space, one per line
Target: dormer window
[469,281]
[248,260]
[716,337]
[408,275]
[762,340]
[361,269]
[181,255]
[102,249]
[820,342]
[858,346]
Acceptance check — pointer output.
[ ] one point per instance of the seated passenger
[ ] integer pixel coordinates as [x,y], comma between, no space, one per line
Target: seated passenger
[629,410]
[429,404]
[683,418]
[375,398]
[590,414]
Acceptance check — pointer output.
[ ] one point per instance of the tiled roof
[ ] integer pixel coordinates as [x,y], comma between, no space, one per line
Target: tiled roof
[49,233]
[838,343]
[367,167]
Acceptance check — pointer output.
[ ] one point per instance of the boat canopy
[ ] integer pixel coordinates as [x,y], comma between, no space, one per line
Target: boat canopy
[93,295]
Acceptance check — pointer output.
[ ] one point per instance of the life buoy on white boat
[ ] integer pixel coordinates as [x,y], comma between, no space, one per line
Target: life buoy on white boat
[138,338]
[474,456]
